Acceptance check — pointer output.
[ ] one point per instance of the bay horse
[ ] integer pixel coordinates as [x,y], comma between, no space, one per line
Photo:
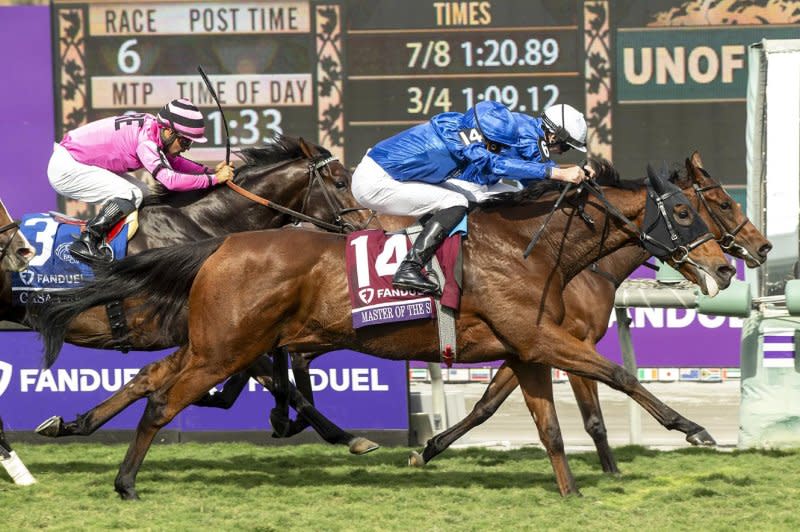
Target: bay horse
[587,322]
[15,254]
[296,298]
[589,300]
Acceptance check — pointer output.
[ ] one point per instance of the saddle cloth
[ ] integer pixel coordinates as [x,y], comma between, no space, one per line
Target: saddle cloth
[53,268]
[372,258]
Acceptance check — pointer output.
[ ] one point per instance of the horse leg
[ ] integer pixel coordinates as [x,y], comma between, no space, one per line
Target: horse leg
[279,416]
[307,414]
[150,378]
[503,383]
[585,391]
[231,390]
[12,463]
[559,349]
[190,383]
[537,388]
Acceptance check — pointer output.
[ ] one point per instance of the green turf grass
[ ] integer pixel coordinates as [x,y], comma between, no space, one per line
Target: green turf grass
[315,487]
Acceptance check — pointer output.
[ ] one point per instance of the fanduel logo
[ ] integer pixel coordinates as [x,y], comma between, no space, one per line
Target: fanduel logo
[62,252]
[366,295]
[26,276]
[6,370]
[339,380]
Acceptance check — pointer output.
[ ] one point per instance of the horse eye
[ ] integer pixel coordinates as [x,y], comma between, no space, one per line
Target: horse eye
[340,184]
[725,205]
[683,214]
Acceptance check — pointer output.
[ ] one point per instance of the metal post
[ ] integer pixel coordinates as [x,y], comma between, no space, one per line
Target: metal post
[438,401]
[629,362]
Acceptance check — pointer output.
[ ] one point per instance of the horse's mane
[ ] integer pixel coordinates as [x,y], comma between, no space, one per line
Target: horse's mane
[282,148]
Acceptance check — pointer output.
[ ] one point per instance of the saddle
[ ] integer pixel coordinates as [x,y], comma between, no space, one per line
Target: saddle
[372,257]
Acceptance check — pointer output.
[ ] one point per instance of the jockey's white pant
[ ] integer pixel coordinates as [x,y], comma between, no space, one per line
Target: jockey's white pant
[91,184]
[375,189]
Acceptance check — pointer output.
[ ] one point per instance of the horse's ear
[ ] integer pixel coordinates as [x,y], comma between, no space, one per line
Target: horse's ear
[694,165]
[696,160]
[306,149]
[655,180]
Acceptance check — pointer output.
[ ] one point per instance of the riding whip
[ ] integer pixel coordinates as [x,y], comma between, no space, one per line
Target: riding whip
[222,115]
[538,233]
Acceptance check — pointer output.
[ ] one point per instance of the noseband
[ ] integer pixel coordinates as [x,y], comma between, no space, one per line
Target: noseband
[314,176]
[8,227]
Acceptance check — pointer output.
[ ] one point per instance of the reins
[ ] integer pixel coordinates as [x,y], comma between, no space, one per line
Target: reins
[678,252]
[313,173]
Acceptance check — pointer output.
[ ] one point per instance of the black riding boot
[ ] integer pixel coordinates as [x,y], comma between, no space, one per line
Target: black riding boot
[409,273]
[87,248]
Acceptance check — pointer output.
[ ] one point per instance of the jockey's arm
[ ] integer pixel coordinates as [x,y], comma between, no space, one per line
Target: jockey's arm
[488,168]
[177,174]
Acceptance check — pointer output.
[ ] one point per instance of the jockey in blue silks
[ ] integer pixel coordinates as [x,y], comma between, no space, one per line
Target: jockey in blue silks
[439,166]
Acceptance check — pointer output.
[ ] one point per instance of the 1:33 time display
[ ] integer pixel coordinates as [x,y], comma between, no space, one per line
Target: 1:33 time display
[254,126]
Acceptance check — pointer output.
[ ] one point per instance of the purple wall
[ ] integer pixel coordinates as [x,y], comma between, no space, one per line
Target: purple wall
[354,390]
[26,109]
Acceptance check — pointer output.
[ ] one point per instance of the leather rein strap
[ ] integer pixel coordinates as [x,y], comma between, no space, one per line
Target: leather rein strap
[285,210]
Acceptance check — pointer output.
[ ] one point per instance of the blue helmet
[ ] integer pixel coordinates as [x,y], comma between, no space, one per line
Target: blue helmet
[496,123]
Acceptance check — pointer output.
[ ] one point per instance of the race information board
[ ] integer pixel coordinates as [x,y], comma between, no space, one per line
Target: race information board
[409,60]
[261,58]
[344,74]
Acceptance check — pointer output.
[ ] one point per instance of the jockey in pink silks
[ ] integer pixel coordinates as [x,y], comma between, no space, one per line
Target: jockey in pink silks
[91,164]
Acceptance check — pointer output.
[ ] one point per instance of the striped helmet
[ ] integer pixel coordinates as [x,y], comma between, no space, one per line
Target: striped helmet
[183,117]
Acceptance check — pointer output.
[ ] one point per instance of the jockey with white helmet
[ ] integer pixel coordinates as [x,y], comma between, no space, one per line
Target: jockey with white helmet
[439,167]
[91,164]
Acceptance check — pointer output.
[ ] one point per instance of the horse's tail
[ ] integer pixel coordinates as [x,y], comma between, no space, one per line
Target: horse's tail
[159,280]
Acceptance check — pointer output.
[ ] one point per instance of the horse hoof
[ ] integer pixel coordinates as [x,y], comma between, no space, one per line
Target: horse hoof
[415,460]
[50,427]
[701,438]
[361,446]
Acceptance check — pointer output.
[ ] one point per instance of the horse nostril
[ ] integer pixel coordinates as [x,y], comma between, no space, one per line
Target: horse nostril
[726,272]
[25,252]
[766,248]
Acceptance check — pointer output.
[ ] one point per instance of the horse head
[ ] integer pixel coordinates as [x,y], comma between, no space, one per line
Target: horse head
[333,189]
[674,232]
[15,250]
[305,178]
[733,230]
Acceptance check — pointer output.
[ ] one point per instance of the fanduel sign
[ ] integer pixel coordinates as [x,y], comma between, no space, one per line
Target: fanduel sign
[354,390]
[687,63]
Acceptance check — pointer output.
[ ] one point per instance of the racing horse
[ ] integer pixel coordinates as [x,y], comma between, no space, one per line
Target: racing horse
[587,322]
[589,299]
[289,173]
[296,298]
[15,254]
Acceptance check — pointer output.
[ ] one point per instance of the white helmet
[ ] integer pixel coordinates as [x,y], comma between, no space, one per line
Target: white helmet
[568,125]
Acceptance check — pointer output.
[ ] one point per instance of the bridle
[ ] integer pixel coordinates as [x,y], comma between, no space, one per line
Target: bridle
[675,249]
[340,225]
[727,241]
[8,227]
[315,176]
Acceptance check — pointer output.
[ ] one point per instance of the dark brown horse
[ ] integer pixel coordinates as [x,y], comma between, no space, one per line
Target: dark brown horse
[15,254]
[289,173]
[589,300]
[295,297]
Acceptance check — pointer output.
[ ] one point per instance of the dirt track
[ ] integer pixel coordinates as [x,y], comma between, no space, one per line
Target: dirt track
[713,405]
